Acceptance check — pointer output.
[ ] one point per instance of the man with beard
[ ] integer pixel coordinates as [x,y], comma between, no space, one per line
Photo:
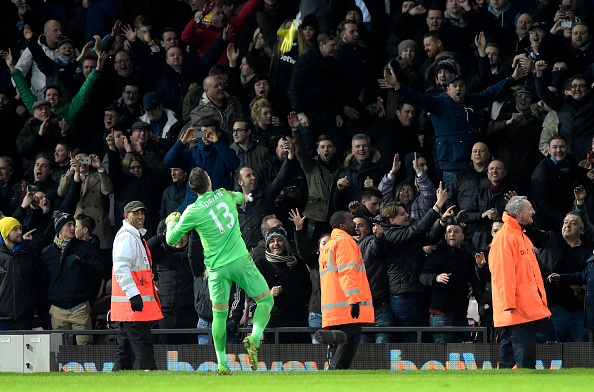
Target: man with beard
[320,172]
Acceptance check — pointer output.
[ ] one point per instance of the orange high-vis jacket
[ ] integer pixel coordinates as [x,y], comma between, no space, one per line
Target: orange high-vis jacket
[516,280]
[343,282]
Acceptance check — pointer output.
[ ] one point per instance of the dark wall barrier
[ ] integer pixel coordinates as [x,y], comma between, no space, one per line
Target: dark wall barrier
[423,356]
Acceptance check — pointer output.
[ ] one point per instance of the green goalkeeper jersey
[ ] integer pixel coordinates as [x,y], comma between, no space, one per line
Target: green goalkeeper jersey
[214,216]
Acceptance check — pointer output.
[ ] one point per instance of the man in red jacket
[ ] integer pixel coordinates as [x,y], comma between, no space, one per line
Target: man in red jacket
[346,297]
[519,298]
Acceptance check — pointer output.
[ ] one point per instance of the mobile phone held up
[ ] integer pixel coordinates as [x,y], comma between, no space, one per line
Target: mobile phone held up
[199,134]
[85,160]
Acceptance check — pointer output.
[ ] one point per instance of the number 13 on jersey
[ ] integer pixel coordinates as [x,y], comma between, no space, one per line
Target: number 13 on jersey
[224,208]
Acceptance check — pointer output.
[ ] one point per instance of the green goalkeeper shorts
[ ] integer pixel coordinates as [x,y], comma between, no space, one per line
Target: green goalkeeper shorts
[242,271]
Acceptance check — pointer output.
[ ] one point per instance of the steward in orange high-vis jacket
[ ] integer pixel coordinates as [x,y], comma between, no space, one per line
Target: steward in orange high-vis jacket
[346,297]
[519,298]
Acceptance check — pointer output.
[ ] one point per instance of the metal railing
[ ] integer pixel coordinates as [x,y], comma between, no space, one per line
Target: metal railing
[68,335]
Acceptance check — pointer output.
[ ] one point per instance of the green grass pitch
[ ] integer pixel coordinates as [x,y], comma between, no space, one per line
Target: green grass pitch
[575,380]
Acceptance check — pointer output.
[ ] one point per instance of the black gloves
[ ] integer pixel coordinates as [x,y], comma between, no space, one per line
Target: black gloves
[136,304]
[355,311]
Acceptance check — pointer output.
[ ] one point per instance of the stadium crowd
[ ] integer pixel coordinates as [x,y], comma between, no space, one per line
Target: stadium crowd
[423,119]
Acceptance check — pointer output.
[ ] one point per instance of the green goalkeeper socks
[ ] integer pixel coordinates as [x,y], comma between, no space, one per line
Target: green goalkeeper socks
[261,317]
[219,334]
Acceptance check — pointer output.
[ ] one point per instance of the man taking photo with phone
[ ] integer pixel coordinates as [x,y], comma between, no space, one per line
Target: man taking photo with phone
[211,152]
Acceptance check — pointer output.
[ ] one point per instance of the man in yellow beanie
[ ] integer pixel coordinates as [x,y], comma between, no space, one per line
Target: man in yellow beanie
[16,277]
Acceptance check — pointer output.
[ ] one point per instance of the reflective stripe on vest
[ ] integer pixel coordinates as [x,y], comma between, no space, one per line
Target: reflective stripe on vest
[338,305]
[145,298]
[121,310]
[332,267]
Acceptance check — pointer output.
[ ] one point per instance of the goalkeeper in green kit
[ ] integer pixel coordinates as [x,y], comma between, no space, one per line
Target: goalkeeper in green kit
[227,260]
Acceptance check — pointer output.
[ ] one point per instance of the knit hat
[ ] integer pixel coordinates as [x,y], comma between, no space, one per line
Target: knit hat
[60,219]
[447,64]
[277,232]
[407,44]
[6,225]
[353,7]
[311,21]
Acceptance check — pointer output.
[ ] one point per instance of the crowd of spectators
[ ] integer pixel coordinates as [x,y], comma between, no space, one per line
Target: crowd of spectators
[423,118]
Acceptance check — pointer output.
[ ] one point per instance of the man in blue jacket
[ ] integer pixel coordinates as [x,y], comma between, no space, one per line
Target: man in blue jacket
[455,116]
[211,153]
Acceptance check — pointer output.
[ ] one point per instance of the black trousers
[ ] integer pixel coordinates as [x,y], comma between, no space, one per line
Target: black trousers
[344,354]
[518,346]
[135,341]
